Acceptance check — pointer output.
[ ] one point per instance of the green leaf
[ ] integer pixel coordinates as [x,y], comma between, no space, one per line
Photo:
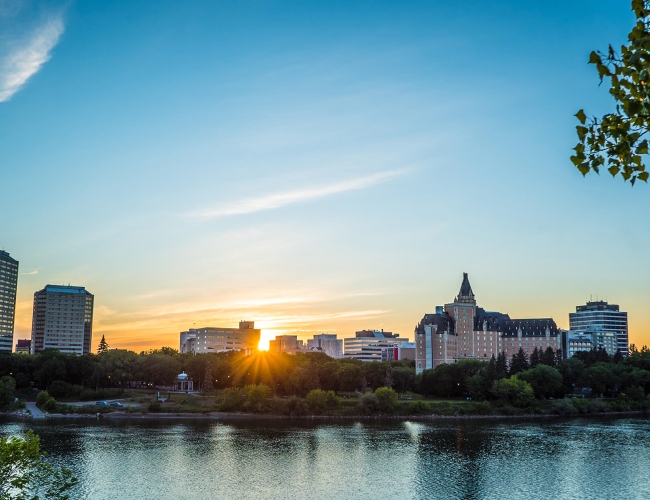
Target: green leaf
[582,132]
[581,116]
[594,58]
[614,170]
[643,176]
[584,168]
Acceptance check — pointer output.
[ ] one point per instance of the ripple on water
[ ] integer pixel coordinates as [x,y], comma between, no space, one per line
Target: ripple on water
[567,459]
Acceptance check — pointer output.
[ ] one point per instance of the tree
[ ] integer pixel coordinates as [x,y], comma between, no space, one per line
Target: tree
[548,357]
[501,366]
[7,388]
[617,139]
[103,346]
[519,362]
[387,400]
[477,386]
[25,475]
[349,377]
[514,392]
[544,380]
[600,377]
[534,358]
[571,369]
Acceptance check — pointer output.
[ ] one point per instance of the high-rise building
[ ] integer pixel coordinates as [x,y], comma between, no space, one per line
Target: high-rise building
[8,286]
[62,319]
[606,316]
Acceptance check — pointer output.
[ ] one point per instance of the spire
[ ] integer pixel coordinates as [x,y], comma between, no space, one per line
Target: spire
[465,294]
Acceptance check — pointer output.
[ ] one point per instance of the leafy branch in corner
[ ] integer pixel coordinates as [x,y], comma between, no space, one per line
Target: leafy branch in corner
[617,139]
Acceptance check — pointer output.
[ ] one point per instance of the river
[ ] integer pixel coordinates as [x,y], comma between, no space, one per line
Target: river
[579,458]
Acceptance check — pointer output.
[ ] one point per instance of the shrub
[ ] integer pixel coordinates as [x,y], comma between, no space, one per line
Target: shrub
[622,403]
[563,407]
[232,400]
[368,403]
[296,407]
[481,408]
[635,393]
[61,389]
[319,401]
[154,406]
[387,399]
[42,398]
[257,397]
[418,408]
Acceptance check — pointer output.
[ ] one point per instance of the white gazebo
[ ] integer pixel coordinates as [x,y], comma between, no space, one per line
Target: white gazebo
[183,383]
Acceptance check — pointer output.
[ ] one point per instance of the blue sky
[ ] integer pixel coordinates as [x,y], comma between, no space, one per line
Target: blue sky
[311,166]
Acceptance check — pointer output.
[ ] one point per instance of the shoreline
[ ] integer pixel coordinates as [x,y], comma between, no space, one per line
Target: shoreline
[263,416]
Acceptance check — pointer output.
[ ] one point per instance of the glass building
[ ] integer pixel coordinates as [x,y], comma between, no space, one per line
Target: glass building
[8,286]
[62,319]
[606,316]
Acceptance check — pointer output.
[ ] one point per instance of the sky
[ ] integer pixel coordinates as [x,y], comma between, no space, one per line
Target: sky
[311,166]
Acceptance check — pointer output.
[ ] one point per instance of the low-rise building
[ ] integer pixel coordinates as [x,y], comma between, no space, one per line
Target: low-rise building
[592,337]
[286,343]
[216,339]
[23,346]
[578,343]
[327,343]
[188,341]
[372,345]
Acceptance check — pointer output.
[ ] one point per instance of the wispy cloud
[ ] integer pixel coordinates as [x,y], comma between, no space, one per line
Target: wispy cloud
[269,202]
[28,57]
[34,271]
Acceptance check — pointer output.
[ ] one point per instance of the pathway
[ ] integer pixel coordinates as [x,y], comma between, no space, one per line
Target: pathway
[36,413]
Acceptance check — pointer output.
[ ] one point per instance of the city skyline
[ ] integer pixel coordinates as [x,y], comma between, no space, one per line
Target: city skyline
[311,168]
[268,334]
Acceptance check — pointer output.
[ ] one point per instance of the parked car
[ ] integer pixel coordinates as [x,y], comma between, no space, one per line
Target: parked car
[117,404]
[101,403]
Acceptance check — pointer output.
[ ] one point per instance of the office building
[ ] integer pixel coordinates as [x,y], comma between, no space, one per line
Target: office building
[461,330]
[217,339]
[607,317]
[8,287]
[593,337]
[188,341]
[286,343]
[327,343]
[62,319]
[372,345]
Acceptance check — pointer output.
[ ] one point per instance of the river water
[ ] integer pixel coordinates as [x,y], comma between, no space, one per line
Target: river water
[585,458]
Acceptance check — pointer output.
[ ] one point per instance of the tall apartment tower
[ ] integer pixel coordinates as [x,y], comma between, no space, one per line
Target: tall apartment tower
[606,316]
[62,319]
[8,286]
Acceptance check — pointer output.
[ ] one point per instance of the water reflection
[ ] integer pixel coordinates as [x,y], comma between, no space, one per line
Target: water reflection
[474,459]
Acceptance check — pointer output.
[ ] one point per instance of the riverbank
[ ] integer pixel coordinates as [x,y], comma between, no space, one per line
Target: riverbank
[263,416]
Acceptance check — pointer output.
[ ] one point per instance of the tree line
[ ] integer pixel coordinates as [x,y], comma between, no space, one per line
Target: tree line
[67,376]
[543,375]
